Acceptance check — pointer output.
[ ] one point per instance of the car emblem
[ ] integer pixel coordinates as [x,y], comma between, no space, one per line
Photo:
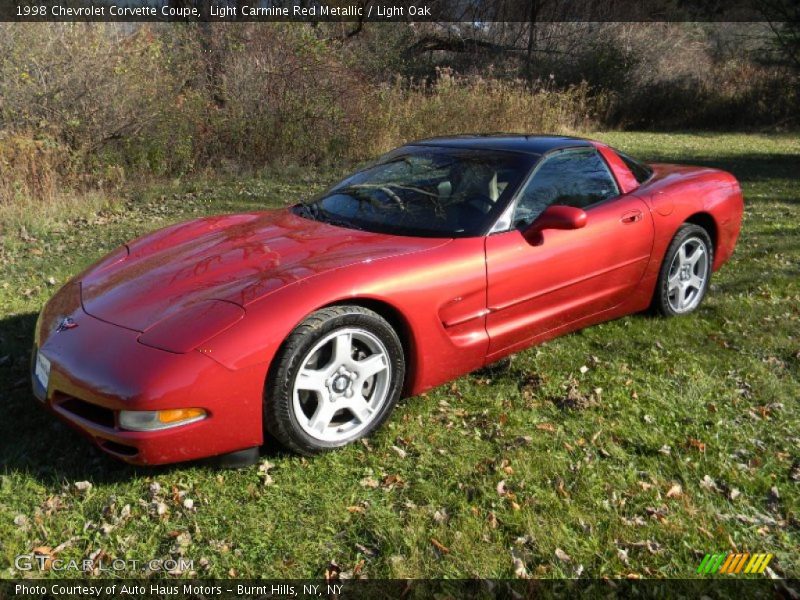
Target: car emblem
[68,323]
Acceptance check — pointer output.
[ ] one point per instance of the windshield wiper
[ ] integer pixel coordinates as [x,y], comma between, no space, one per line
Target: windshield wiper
[315,213]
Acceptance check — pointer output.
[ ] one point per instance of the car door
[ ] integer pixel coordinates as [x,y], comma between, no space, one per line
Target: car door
[564,275]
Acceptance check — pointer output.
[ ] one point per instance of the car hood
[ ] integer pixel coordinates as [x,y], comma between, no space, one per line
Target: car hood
[236,258]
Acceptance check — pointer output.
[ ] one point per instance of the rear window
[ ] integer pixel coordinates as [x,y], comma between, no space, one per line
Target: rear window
[640,171]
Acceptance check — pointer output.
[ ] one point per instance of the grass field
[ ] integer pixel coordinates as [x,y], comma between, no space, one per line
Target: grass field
[630,448]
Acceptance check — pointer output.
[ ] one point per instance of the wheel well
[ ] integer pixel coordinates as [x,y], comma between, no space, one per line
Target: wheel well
[706,221]
[396,319]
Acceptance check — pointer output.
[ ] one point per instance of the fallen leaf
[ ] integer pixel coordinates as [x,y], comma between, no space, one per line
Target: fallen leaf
[546,427]
[520,570]
[369,482]
[708,484]
[391,481]
[439,546]
[400,452]
[697,444]
[441,516]
[44,556]
[502,490]
[83,486]
[366,550]
[563,556]
[264,469]
[675,491]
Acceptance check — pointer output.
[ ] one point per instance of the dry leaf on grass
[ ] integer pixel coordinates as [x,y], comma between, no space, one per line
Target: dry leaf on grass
[441,516]
[520,570]
[44,556]
[696,444]
[439,546]
[675,491]
[563,556]
[708,484]
[502,488]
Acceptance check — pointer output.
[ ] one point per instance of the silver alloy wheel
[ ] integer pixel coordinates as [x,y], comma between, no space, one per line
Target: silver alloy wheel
[687,275]
[342,385]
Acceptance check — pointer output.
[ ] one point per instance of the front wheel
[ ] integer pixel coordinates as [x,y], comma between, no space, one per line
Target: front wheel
[335,379]
[685,272]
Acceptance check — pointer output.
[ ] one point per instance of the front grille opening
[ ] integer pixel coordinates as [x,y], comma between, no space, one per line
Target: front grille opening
[120,449]
[89,412]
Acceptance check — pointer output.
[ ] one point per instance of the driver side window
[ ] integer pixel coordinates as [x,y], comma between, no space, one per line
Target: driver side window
[577,178]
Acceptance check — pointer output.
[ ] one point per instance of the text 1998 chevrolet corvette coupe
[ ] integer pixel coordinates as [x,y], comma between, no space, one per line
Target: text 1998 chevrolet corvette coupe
[308,323]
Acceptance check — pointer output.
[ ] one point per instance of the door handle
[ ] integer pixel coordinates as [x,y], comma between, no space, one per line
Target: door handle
[632,216]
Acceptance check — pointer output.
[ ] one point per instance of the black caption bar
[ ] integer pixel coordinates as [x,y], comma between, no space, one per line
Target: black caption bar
[389,589]
[470,11]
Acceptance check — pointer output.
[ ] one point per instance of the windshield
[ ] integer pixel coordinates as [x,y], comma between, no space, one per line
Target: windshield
[433,192]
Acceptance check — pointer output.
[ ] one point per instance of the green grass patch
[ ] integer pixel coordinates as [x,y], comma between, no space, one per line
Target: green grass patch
[680,438]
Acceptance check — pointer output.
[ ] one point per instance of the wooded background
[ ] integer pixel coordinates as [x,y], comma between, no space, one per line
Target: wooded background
[90,106]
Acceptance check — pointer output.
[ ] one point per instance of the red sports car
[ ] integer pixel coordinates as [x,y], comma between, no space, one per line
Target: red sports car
[307,324]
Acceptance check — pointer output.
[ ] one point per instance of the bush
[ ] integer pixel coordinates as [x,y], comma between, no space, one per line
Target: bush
[85,106]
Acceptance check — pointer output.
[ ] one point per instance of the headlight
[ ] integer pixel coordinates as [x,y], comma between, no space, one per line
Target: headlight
[155,420]
[192,326]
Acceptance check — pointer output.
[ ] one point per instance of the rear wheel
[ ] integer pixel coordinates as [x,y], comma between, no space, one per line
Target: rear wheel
[336,379]
[685,272]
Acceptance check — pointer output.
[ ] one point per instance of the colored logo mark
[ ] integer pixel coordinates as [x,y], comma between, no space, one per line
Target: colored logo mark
[734,563]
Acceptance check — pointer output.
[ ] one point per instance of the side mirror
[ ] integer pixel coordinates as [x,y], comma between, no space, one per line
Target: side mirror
[555,217]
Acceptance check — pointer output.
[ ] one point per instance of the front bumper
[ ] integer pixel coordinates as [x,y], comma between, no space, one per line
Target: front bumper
[98,369]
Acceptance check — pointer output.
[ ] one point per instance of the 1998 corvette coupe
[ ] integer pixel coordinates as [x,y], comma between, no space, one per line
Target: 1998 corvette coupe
[308,323]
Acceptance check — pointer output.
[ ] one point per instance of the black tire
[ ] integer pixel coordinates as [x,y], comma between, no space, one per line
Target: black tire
[688,232]
[279,416]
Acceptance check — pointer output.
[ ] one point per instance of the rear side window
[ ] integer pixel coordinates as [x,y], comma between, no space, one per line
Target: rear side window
[577,178]
[640,171]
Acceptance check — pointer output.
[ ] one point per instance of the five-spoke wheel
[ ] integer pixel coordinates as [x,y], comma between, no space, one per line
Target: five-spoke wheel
[685,272]
[335,379]
[341,385]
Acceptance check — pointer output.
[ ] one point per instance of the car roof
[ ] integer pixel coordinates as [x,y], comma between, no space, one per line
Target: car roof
[515,142]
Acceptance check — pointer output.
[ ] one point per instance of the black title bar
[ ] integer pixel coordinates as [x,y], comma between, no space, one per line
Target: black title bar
[471,11]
